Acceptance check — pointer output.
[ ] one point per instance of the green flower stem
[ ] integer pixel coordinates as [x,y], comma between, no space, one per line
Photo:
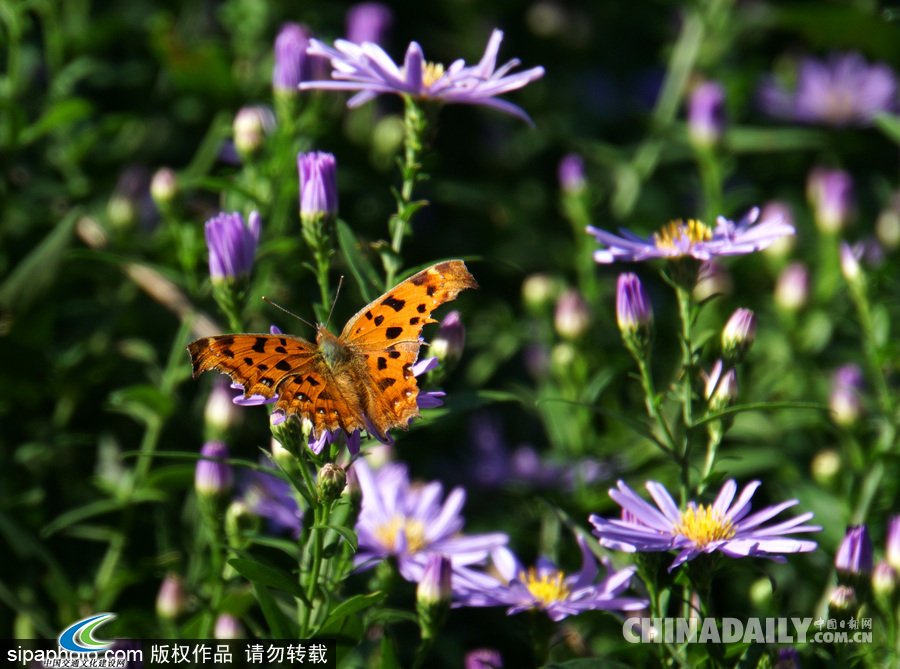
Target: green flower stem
[210,512]
[415,124]
[651,401]
[685,313]
[316,233]
[711,181]
[422,652]
[230,299]
[712,448]
[576,208]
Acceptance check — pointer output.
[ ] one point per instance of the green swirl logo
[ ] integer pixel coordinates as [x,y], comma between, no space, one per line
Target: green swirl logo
[79,637]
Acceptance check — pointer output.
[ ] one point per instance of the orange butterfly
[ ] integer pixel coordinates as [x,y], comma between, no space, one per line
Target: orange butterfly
[361,380]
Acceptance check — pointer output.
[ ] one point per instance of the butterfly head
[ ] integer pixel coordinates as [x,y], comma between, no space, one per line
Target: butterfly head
[333,351]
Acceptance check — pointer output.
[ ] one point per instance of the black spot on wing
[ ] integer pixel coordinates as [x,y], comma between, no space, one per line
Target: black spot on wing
[394,354]
[431,290]
[248,361]
[311,381]
[228,353]
[260,345]
[414,320]
[369,315]
[280,349]
[379,319]
[227,340]
[325,395]
[393,332]
[382,363]
[283,365]
[421,308]
[266,381]
[419,279]
[262,367]
[393,303]
[386,383]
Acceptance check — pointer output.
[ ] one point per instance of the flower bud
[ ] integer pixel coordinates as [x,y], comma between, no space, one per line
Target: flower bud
[332,479]
[825,466]
[369,22]
[572,317]
[792,287]
[171,601]
[850,263]
[483,658]
[842,600]
[232,245]
[291,60]
[788,658]
[447,345]
[706,114]
[318,185]
[634,314]
[738,335]
[721,388]
[251,126]
[854,555]
[433,594]
[240,523]
[213,477]
[539,290]
[830,192]
[164,187]
[844,401]
[887,227]
[884,580]
[229,627]
[571,174]
[713,279]
[892,545]
[221,413]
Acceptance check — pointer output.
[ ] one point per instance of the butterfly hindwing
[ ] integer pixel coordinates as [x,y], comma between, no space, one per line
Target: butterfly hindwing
[321,398]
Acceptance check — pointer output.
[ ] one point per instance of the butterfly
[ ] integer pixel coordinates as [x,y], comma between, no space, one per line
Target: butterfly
[360,380]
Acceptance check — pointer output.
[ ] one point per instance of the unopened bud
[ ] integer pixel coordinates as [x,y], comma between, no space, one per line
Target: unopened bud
[721,387]
[845,398]
[332,479]
[634,314]
[433,594]
[164,187]
[706,114]
[571,174]
[825,466]
[213,476]
[830,192]
[240,523]
[251,127]
[842,600]
[850,263]
[171,601]
[854,555]
[447,345]
[221,413]
[892,545]
[572,317]
[539,290]
[884,580]
[229,627]
[792,287]
[738,335]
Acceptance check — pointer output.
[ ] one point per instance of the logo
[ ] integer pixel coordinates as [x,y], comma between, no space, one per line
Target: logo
[79,637]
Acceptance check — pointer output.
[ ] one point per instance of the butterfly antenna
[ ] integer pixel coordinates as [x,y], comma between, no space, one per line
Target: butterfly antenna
[289,313]
[334,302]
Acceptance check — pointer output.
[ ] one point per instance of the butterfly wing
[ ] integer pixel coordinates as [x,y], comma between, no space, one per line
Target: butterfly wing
[386,333]
[288,366]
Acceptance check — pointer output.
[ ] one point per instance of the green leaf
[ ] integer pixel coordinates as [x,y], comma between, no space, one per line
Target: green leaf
[349,607]
[98,508]
[263,574]
[280,625]
[889,125]
[348,534]
[36,272]
[759,406]
[362,270]
[144,403]
[60,114]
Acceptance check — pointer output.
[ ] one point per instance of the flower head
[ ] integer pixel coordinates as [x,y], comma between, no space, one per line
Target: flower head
[706,113]
[842,90]
[232,245]
[367,69]
[409,523]
[722,526]
[854,555]
[318,184]
[213,476]
[545,587]
[369,22]
[692,238]
[830,192]
[270,497]
[290,58]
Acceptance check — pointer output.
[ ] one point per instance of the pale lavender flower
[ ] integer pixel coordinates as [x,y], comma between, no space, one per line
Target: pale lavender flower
[571,173]
[706,113]
[854,555]
[483,658]
[850,257]
[842,90]
[450,340]
[213,476]
[738,334]
[271,497]
[572,317]
[720,386]
[408,523]
[792,287]
[692,238]
[545,587]
[892,545]
[291,61]
[229,627]
[369,22]
[707,528]
[251,125]
[232,245]
[366,68]
[318,184]
[172,599]
[435,587]
[845,398]
[830,192]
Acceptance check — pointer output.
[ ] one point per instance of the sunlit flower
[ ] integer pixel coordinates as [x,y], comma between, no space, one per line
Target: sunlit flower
[545,587]
[367,69]
[843,90]
[692,238]
[232,245]
[409,523]
[707,528]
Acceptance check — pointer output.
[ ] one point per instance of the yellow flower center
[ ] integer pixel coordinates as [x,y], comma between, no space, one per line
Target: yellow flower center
[431,73]
[413,530]
[675,234]
[703,525]
[548,588]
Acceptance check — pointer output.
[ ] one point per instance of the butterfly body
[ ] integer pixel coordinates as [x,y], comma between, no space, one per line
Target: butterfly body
[361,379]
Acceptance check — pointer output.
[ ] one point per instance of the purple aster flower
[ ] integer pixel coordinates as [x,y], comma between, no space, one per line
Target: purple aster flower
[291,65]
[271,497]
[892,545]
[318,184]
[843,90]
[846,394]
[366,68]
[369,22]
[830,192]
[409,523]
[545,587]
[692,238]
[232,245]
[706,528]
[854,555]
[633,309]
[213,476]
[483,658]
[706,113]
